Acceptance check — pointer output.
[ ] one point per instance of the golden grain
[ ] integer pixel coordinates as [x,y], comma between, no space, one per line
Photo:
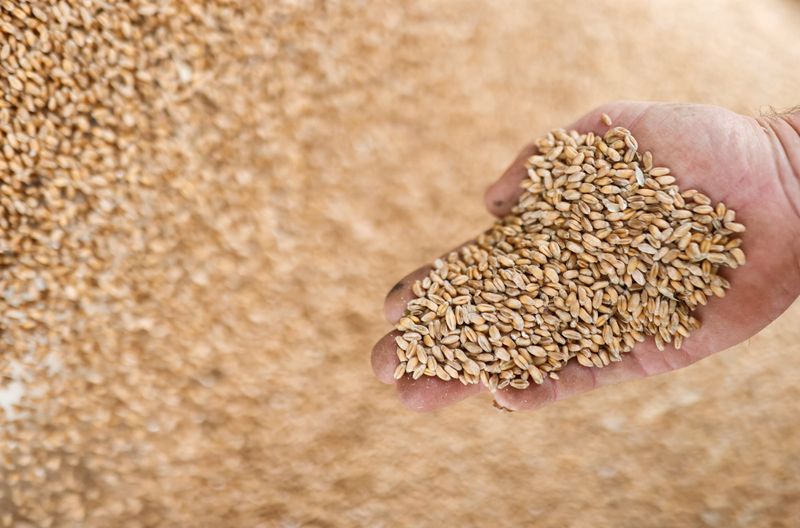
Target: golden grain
[124,253]
[594,257]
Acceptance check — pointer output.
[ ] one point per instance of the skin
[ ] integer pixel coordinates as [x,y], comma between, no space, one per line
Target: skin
[752,165]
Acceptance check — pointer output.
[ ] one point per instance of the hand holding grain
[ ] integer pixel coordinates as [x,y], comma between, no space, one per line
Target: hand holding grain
[749,164]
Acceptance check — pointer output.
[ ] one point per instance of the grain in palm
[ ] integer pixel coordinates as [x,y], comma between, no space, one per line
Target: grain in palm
[601,251]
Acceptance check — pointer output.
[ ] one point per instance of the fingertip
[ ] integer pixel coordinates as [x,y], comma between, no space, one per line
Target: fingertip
[495,200]
[396,300]
[501,196]
[574,379]
[392,306]
[429,393]
[384,359]
[412,393]
[533,397]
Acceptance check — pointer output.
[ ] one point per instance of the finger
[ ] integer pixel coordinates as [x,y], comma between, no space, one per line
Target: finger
[429,393]
[400,294]
[575,379]
[501,196]
[425,394]
[384,358]
[396,300]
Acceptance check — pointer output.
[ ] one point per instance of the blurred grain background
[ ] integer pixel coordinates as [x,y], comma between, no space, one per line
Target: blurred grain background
[327,148]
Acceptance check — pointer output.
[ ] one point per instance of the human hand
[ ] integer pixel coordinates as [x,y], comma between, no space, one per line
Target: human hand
[753,165]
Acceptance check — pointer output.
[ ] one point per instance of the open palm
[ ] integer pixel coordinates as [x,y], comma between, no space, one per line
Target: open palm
[744,162]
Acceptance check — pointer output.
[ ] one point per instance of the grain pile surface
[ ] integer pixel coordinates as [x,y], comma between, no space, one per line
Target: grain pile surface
[229,186]
[601,250]
[93,214]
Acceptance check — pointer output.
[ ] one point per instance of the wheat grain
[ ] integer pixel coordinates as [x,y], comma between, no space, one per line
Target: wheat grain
[601,251]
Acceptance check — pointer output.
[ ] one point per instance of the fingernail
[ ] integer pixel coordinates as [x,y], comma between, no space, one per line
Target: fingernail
[397,287]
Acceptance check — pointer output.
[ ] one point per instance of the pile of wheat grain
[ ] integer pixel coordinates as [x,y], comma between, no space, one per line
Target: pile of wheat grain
[601,251]
[88,209]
